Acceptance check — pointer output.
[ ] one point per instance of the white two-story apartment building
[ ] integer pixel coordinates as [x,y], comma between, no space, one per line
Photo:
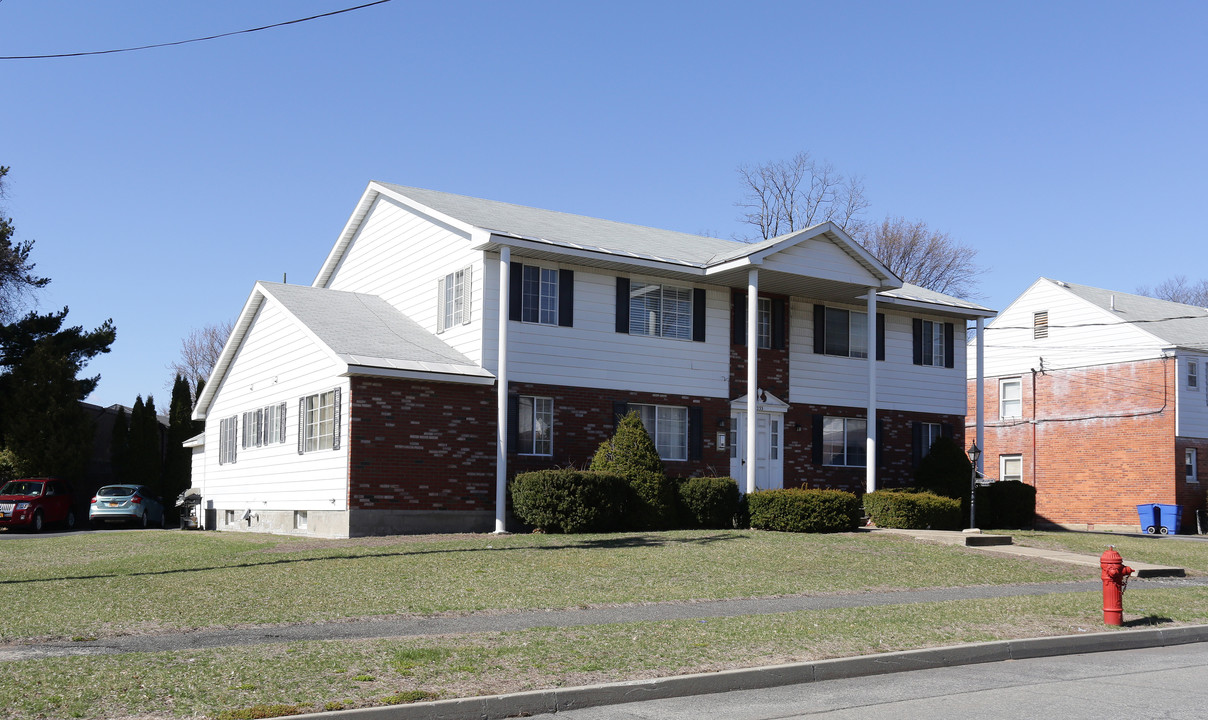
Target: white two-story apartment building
[449,342]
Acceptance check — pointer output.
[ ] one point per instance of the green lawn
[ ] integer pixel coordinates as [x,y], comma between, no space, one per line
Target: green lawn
[101,584]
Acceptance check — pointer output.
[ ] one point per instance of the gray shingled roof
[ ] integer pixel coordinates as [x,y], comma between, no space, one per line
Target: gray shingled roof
[365,330]
[1178,324]
[922,294]
[577,230]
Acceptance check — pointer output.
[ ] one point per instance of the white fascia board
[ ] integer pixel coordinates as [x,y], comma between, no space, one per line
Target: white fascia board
[353,226]
[198,440]
[590,253]
[365,370]
[937,308]
[250,308]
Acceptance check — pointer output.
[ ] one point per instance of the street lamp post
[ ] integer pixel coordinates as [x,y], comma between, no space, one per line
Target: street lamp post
[974,453]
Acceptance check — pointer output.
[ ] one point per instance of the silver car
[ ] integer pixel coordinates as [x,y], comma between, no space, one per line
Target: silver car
[126,504]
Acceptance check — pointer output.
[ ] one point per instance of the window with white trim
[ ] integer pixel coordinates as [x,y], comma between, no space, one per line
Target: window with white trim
[933,343]
[843,441]
[253,428]
[539,295]
[1193,375]
[764,338]
[228,437]
[1010,398]
[318,421]
[1189,465]
[846,333]
[667,425]
[1010,467]
[660,310]
[274,424]
[453,300]
[928,433]
[536,426]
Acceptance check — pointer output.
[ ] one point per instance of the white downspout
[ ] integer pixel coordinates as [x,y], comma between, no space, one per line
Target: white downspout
[981,393]
[501,385]
[870,465]
[752,371]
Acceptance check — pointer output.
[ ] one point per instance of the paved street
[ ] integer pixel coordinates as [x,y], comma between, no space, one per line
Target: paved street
[1151,683]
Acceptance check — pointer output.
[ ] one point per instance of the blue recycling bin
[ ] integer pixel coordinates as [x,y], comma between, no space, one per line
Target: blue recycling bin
[1158,519]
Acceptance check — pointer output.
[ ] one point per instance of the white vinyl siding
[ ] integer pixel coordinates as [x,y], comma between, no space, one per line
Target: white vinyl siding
[901,385]
[593,355]
[277,363]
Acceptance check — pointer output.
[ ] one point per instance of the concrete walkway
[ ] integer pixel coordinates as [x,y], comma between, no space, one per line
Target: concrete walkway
[975,541]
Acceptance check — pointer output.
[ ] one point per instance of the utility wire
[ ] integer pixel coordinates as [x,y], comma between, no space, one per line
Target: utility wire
[193,40]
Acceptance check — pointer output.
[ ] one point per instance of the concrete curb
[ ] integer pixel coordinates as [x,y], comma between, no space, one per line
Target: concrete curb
[563,699]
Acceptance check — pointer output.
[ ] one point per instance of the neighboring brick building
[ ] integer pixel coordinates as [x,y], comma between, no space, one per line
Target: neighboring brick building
[1097,399]
[449,342]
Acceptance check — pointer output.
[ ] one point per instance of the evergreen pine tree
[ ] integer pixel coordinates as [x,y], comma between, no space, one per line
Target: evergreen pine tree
[146,446]
[178,458]
[119,447]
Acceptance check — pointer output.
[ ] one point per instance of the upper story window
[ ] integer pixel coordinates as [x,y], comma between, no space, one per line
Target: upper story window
[668,427]
[228,438]
[770,318]
[453,299]
[541,295]
[660,310]
[1040,325]
[1010,398]
[1193,375]
[265,426]
[319,422]
[933,343]
[764,333]
[845,332]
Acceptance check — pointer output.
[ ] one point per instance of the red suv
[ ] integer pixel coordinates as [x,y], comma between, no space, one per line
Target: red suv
[35,502]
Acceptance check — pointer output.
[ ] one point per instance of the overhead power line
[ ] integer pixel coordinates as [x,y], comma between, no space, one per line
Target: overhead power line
[194,40]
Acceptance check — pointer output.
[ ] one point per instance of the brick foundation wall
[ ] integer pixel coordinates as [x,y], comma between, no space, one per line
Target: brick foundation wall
[1102,442]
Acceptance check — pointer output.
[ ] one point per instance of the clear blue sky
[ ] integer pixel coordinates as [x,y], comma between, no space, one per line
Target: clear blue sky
[1059,139]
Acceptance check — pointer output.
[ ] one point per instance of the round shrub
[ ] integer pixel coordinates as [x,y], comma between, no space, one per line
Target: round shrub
[913,510]
[569,501]
[794,510]
[709,502]
[651,504]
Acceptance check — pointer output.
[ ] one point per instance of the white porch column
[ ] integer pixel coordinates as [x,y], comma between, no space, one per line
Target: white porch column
[870,464]
[752,371]
[981,393]
[501,385]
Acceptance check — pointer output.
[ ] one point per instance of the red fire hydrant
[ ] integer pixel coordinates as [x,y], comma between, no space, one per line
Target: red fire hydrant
[1115,579]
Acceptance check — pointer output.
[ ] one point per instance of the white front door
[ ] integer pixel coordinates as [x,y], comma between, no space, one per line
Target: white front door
[769,456]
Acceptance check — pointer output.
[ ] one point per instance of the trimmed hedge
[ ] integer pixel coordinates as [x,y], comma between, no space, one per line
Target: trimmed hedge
[651,502]
[794,510]
[913,510]
[1006,504]
[708,502]
[569,501]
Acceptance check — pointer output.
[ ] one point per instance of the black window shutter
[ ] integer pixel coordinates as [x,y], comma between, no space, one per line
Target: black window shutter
[816,444]
[696,433]
[620,409]
[623,305]
[918,341]
[820,329]
[882,430]
[880,336]
[513,439]
[516,292]
[233,424]
[698,314]
[778,323]
[566,298]
[301,422]
[335,440]
[916,444]
[949,351]
[281,423]
[739,317]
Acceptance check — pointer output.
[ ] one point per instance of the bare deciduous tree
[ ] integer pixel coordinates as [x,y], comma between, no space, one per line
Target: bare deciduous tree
[199,353]
[1179,289]
[789,195]
[922,256]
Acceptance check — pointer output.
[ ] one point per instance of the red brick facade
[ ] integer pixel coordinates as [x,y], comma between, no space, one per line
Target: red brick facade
[1095,442]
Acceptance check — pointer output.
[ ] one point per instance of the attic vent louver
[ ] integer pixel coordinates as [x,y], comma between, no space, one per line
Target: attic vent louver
[1040,325]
